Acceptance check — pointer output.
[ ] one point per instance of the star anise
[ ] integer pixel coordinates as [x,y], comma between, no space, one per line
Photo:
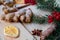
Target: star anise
[36,32]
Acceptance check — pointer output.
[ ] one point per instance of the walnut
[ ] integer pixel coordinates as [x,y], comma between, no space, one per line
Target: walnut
[29,12]
[28,19]
[15,19]
[2,16]
[5,10]
[22,18]
[9,17]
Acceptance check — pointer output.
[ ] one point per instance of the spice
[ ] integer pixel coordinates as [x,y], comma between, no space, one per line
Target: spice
[36,32]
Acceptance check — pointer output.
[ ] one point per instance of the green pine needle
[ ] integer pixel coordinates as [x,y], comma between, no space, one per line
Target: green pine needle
[37,19]
[49,4]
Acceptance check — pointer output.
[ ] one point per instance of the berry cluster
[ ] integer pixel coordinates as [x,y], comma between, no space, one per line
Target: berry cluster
[55,16]
[33,2]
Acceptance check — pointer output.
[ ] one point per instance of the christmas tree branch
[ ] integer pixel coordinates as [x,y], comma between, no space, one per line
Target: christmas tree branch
[37,19]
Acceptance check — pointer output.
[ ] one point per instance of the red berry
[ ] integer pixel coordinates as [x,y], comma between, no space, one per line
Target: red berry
[54,12]
[50,17]
[54,15]
[57,18]
[57,13]
[50,21]
[33,2]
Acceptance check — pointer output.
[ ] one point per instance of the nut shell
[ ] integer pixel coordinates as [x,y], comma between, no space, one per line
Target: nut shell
[5,10]
[15,19]
[29,12]
[2,16]
[28,19]
[12,10]
[22,18]
[9,17]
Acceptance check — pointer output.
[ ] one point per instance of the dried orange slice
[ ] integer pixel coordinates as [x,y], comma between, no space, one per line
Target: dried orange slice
[11,31]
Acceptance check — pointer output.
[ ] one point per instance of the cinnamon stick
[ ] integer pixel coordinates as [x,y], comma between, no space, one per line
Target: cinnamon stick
[15,9]
[23,6]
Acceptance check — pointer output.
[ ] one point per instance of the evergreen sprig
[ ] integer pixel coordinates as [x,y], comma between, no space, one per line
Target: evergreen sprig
[40,20]
[47,4]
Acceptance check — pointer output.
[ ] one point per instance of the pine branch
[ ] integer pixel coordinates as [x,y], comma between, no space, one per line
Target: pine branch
[37,19]
[49,4]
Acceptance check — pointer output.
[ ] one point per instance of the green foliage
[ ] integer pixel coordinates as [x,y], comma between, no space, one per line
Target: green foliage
[57,9]
[46,4]
[58,23]
[40,20]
